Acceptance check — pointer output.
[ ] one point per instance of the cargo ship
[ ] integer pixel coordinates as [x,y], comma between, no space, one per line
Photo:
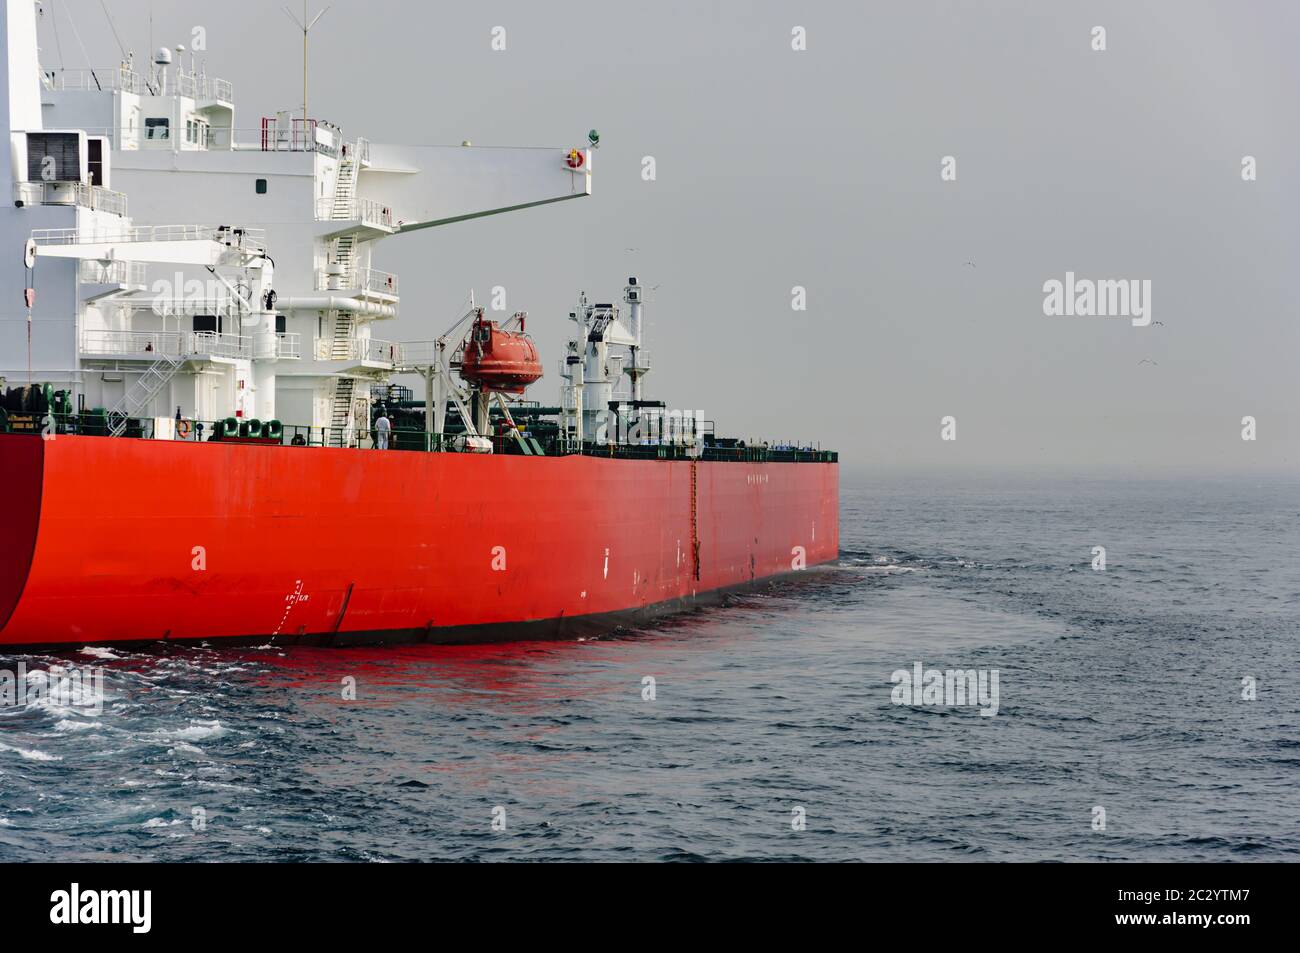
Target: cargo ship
[202,439]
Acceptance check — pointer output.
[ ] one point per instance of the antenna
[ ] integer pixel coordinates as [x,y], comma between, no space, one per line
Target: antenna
[305,26]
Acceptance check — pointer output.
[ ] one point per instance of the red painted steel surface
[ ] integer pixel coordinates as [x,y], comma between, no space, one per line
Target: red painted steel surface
[144,539]
[20,506]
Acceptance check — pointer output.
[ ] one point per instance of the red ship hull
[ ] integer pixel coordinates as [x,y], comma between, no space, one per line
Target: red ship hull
[107,540]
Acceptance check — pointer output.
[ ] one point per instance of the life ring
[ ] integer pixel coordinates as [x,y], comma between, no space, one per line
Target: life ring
[183,428]
[575,159]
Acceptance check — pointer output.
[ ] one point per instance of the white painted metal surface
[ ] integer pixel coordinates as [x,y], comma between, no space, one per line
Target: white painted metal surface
[162,319]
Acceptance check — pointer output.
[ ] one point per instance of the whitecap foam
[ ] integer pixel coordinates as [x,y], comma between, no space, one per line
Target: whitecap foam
[31,754]
[195,731]
[67,724]
[99,651]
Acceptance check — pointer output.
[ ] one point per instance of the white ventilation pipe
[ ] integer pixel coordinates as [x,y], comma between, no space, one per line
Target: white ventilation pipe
[368,309]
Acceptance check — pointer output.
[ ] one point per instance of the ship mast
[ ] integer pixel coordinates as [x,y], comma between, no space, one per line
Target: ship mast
[305,26]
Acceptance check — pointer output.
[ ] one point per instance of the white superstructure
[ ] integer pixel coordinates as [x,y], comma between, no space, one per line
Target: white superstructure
[606,349]
[260,293]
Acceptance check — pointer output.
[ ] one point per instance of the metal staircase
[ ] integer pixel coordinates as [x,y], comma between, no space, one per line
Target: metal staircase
[142,392]
[345,191]
[341,343]
[345,257]
[344,321]
[341,414]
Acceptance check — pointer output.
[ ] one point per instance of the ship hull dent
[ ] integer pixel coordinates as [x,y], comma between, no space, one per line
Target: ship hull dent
[145,541]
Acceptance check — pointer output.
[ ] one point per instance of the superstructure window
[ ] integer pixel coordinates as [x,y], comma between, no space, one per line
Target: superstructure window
[157,128]
[260,186]
[196,132]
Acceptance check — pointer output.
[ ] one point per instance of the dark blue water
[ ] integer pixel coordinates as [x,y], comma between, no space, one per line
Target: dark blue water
[1119,690]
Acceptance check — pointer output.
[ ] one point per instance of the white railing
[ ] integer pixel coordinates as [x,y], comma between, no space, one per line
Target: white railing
[417,353]
[367,279]
[361,151]
[380,282]
[249,239]
[381,352]
[228,309]
[70,193]
[197,86]
[113,78]
[124,79]
[288,345]
[297,135]
[165,343]
[222,90]
[371,350]
[366,211]
[96,272]
[280,346]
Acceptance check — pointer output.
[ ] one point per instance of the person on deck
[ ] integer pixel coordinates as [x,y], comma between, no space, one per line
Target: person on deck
[382,428]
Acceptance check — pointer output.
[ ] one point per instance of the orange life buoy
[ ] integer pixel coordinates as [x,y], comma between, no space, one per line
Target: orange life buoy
[575,159]
[183,429]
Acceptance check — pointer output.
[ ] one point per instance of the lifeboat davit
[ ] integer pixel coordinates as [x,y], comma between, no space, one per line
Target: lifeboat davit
[498,360]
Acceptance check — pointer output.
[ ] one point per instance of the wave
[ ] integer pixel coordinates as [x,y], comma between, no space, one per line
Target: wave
[31,754]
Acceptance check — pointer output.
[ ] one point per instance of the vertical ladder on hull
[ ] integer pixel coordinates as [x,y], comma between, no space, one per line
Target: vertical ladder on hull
[139,395]
[695,521]
[341,414]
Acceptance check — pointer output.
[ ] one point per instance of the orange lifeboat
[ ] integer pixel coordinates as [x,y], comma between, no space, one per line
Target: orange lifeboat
[498,360]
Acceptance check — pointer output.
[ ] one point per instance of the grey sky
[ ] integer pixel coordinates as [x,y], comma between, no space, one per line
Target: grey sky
[821,168]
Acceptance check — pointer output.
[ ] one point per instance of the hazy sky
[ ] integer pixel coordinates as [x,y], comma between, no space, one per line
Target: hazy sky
[821,168]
